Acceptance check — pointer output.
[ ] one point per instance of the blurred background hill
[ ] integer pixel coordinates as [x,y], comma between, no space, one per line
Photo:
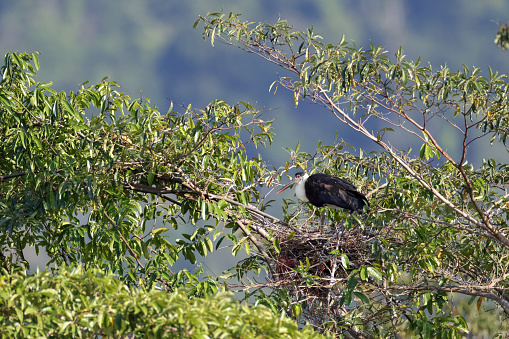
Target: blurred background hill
[151,49]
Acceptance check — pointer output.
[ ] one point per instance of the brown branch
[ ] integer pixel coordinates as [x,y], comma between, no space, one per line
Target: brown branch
[502,302]
[11,176]
[485,224]
[255,242]
[206,195]
[123,239]
[459,165]
[151,190]
[376,190]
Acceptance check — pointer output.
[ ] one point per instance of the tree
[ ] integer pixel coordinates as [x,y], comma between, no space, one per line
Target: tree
[87,175]
[439,223]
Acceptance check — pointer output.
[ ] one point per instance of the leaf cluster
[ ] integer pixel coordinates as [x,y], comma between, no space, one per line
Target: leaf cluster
[78,303]
[502,36]
[90,176]
[441,222]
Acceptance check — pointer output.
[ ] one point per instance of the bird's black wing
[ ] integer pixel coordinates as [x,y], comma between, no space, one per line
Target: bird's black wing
[323,189]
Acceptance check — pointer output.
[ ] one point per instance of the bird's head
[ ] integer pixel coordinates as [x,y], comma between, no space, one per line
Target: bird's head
[299,178]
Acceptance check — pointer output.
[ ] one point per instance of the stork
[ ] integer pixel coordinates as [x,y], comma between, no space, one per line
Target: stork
[324,190]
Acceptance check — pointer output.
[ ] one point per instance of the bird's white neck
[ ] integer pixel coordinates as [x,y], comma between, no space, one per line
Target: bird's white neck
[300,190]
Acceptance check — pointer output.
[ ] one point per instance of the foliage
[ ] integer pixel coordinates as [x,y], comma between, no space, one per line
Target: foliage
[502,37]
[441,223]
[82,304]
[122,168]
[97,179]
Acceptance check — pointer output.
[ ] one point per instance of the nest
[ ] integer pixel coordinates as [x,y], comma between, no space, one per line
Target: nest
[312,263]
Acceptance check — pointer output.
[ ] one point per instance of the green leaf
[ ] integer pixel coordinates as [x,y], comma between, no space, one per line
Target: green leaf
[159,230]
[150,178]
[362,297]
[36,60]
[291,235]
[277,246]
[426,152]
[352,283]
[364,273]
[471,299]
[71,110]
[374,272]
[204,210]
[236,249]
[213,36]
[345,261]
[209,244]
[297,311]
[144,248]
[200,246]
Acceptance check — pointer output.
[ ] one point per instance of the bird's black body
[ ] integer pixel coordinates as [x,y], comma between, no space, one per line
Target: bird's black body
[324,189]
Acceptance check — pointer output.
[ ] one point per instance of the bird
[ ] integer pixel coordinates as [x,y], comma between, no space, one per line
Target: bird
[324,190]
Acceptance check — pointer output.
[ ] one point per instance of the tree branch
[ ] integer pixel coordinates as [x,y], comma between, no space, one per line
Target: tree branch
[11,176]
[255,242]
[123,239]
[502,302]
[359,127]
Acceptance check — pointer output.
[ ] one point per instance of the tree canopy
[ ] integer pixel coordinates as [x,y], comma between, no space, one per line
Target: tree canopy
[448,216]
[119,191]
[78,303]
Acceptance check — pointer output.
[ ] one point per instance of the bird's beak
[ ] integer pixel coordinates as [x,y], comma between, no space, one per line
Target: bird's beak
[286,186]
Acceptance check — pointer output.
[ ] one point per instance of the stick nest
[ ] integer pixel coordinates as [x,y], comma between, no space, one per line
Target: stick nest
[325,250]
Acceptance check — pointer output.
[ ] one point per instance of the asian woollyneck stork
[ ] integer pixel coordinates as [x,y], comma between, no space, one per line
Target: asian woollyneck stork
[323,190]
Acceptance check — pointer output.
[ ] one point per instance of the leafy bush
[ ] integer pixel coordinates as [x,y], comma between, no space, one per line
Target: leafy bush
[77,303]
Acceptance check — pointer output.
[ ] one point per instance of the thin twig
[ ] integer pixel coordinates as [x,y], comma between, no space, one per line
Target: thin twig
[123,239]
